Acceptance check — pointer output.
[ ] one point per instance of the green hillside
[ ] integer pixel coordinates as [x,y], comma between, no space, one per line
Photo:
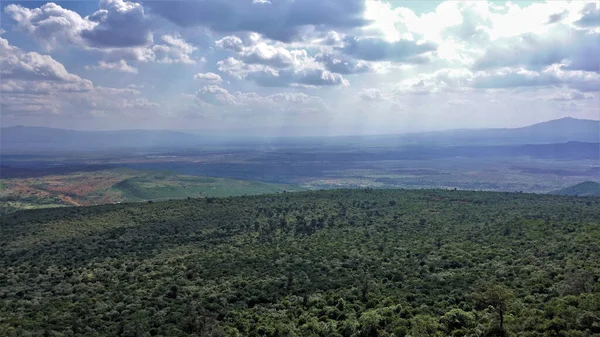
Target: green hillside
[121,185]
[322,263]
[585,189]
[166,185]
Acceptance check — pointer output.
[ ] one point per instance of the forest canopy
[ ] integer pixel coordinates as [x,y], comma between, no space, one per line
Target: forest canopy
[323,263]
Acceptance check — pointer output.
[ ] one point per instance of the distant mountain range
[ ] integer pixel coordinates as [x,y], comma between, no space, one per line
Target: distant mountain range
[585,189]
[24,138]
[28,138]
[554,131]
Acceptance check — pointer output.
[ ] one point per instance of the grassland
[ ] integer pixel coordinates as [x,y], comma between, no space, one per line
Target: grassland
[121,185]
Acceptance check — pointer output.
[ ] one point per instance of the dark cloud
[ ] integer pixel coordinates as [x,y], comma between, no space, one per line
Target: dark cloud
[575,48]
[282,20]
[376,49]
[120,24]
[557,17]
[590,16]
[116,24]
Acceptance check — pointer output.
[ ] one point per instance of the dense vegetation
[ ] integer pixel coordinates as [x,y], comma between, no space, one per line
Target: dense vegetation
[324,263]
[585,189]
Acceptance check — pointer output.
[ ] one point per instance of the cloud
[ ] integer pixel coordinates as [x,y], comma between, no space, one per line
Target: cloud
[465,80]
[239,69]
[175,50]
[377,49]
[50,25]
[209,77]
[215,95]
[271,66]
[118,24]
[120,66]
[461,50]
[571,48]
[460,102]
[118,31]
[342,65]
[280,20]
[557,17]
[372,94]
[552,76]
[269,55]
[590,16]
[16,64]
[230,42]
[442,80]
[33,83]
[570,96]
[303,76]
[216,99]
[570,106]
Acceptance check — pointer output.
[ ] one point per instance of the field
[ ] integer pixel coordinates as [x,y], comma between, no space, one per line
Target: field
[120,185]
[337,263]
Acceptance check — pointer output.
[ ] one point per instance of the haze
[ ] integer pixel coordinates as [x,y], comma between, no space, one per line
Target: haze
[306,67]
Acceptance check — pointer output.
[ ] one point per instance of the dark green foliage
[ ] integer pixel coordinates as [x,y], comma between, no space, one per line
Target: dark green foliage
[327,263]
[585,189]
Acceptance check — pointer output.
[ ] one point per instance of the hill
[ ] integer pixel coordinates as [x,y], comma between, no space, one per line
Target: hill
[555,131]
[586,188]
[323,263]
[24,138]
[28,138]
[121,185]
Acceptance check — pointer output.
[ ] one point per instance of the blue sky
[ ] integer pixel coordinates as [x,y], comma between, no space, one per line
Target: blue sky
[336,66]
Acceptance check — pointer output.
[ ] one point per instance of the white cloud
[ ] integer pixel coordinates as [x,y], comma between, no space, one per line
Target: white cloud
[37,84]
[116,24]
[362,56]
[230,42]
[50,25]
[460,102]
[31,66]
[569,96]
[118,31]
[208,77]
[464,80]
[216,99]
[175,50]
[120,66]
[372,94]
[271,65]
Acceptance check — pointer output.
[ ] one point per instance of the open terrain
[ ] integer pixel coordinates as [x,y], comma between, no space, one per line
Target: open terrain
[120,185]
[323,263]
[38,171]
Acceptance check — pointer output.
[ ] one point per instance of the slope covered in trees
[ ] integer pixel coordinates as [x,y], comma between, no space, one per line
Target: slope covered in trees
[323,263]
[585,189]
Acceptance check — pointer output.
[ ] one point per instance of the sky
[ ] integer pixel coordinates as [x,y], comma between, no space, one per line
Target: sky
[304,66]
